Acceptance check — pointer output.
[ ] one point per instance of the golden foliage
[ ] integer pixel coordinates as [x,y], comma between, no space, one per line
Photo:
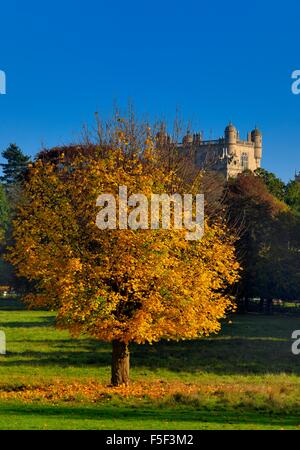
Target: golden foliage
[58,390]
[140,285]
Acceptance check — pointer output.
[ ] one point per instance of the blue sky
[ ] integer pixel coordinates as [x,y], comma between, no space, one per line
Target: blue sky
[215,61]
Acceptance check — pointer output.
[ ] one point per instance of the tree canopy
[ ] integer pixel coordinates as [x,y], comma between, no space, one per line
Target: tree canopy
[118,285]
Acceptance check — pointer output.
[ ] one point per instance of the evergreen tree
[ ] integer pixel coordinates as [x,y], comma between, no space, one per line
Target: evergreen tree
[4,214]
[16,165]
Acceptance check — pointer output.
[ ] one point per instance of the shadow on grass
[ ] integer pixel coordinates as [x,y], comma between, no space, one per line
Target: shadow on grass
[218,356]
[15,304]
[43,321]
[11,304]
[136,415]
[253,344]
[62,359]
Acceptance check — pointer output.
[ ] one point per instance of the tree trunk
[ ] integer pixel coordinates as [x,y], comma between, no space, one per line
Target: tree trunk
[120,363]
[269,305]
[261,304]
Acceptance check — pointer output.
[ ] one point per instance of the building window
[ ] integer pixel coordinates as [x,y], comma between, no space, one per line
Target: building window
[244,161]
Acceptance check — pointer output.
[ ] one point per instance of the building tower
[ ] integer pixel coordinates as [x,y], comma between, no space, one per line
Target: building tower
[229,154]
[256,138]
[230,139]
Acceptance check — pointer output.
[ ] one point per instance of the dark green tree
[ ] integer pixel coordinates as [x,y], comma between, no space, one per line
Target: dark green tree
[6,270]
[254,212]
[292,196]
[13,173]
[4,214]
[274,184]
[15,167]
[278,265]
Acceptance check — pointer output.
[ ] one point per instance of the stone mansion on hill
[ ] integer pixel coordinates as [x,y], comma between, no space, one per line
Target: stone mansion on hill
[229,155]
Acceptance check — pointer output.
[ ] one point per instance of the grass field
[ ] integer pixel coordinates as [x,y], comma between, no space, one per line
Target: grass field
[244,378]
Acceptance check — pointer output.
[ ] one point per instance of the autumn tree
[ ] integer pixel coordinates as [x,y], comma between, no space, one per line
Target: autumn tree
[118,285]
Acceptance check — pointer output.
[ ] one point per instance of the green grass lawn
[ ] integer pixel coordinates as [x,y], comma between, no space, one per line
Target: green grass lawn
[244,378]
